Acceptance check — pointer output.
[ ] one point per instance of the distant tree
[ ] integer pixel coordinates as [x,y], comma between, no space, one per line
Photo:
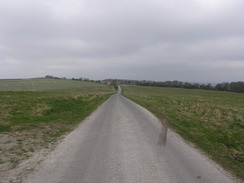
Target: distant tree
[237,86]
[115,84]
[49,76]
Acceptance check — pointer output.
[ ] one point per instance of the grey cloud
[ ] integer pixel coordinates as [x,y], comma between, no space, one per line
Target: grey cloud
[144,39]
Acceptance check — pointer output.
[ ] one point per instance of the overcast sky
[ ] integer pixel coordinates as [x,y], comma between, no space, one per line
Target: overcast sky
[187,40]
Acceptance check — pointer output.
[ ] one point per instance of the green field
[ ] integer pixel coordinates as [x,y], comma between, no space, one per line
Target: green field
[50,85]
[35,113]
[212,120]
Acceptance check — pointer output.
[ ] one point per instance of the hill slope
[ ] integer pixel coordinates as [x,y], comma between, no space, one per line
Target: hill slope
[50,85]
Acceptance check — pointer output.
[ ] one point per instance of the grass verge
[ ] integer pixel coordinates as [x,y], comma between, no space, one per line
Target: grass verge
[212,120]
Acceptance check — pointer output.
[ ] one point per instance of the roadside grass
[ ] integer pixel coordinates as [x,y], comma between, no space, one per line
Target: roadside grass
[212,120]
[31,121]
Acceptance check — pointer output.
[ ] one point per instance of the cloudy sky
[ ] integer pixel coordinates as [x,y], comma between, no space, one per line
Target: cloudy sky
[187,40]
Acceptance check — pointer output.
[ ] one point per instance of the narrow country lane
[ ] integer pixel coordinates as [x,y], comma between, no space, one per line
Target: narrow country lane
[122,142]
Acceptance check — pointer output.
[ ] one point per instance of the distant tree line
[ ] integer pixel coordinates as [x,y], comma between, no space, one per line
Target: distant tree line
[225,86]
[53,77]
[231,87]
[122,81]
[81,79]
[176,84]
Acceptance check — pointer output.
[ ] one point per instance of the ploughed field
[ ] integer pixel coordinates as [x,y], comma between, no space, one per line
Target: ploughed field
[35,113]
[212,120]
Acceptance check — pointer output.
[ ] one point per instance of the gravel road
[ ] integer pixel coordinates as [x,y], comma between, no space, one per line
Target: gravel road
[123,142]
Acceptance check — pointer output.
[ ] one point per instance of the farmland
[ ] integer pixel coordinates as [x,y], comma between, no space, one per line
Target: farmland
[50,85]
[36,113]
[212,120]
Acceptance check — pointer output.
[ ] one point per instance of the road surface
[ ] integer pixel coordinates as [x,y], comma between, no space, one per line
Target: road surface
[124,143]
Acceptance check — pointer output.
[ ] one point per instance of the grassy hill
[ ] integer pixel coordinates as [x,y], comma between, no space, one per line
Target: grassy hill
[51,85]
